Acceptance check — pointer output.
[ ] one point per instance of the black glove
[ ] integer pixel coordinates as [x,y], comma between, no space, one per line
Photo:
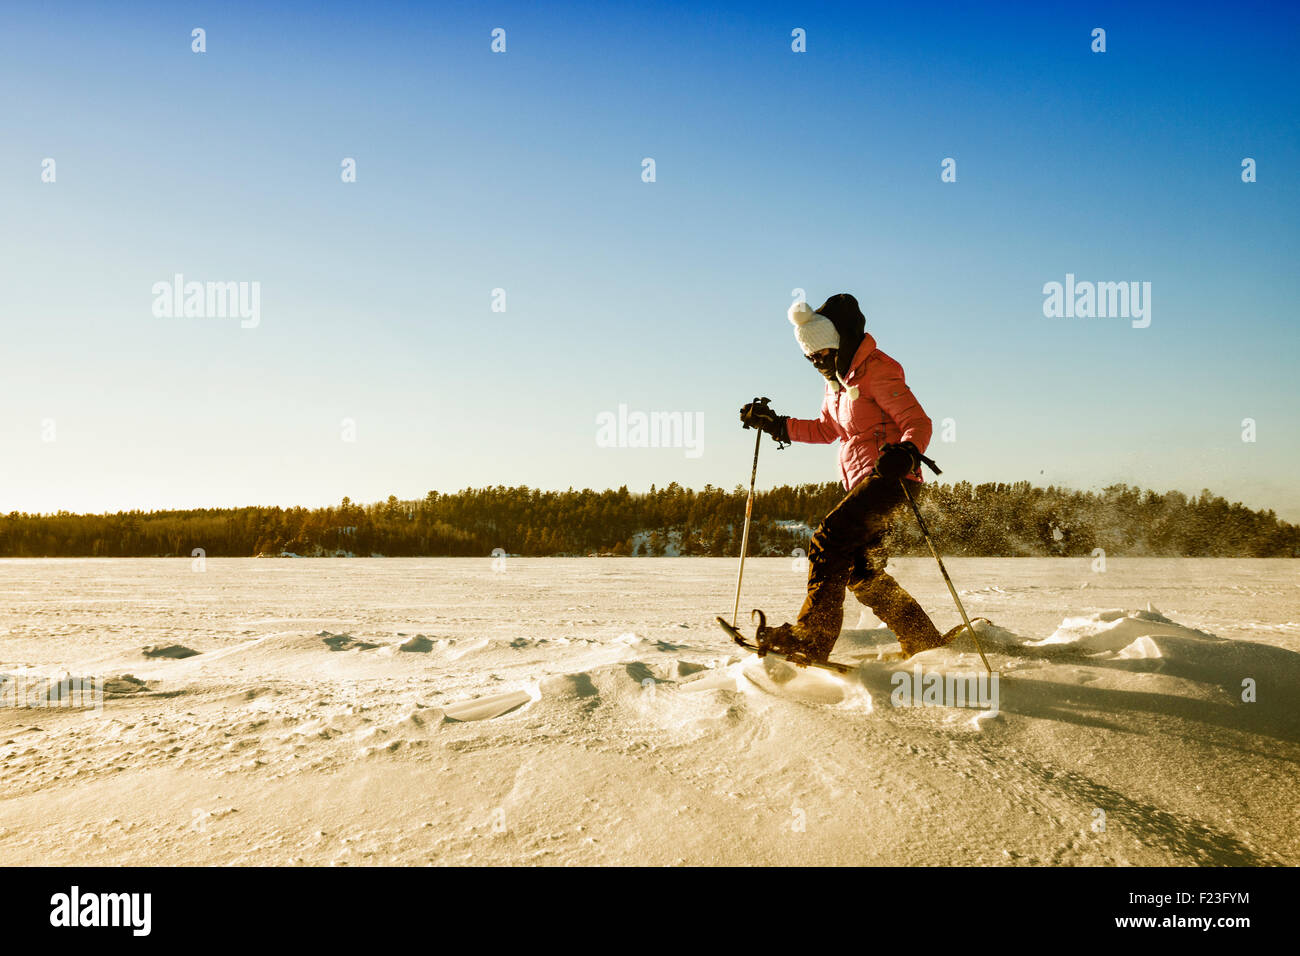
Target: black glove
[895,461]
[759,415]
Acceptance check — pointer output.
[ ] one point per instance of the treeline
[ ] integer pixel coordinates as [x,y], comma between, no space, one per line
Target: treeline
[989,519]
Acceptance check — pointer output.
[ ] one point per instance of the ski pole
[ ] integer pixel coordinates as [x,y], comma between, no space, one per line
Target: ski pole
[947,580]
[749,512]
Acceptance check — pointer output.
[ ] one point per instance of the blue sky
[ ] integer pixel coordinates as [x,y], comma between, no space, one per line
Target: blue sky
[522,171]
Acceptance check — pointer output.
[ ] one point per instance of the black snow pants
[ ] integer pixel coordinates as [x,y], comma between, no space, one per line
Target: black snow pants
[847,552]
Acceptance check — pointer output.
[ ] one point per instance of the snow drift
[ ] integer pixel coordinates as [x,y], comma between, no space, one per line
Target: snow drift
[591,712]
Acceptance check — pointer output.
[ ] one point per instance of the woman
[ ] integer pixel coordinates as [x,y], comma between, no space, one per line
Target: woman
[882,431]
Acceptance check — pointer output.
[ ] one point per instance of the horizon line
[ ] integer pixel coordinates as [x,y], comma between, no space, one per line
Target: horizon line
[739,487]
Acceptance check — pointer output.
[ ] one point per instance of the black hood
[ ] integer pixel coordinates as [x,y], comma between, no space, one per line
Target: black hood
[850,323]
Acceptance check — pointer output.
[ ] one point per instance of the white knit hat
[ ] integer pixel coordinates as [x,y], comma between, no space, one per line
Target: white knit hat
[812,331]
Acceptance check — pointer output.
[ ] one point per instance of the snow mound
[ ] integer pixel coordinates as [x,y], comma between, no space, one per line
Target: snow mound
[615,683]
[485,708]
[344,642]
[1126,635]
[991,637]
[174,652]
[569,686]
[686,668]
[809,685]
[123,685]
[419,644]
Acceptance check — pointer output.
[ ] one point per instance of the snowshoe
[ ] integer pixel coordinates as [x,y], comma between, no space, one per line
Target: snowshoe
[784,639]
[784,642]
[911,648]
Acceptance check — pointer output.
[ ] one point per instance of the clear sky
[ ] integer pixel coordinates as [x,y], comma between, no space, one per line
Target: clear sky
[522,171]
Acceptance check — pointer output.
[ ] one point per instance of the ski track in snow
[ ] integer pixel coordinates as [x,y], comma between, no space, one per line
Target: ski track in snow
[332,712]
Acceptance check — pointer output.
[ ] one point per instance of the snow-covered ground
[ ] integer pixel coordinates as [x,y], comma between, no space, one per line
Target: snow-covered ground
[604,718]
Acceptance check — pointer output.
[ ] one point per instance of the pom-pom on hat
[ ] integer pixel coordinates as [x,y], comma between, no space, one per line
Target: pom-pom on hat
[813,332]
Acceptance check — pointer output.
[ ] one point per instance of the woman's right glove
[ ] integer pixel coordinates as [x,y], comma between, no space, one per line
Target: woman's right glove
[759,415]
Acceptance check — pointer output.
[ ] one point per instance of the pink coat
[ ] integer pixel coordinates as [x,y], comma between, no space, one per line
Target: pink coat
[884,411]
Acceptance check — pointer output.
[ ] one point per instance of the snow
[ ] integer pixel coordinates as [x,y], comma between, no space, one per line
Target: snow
[1125,634]
[570,711]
